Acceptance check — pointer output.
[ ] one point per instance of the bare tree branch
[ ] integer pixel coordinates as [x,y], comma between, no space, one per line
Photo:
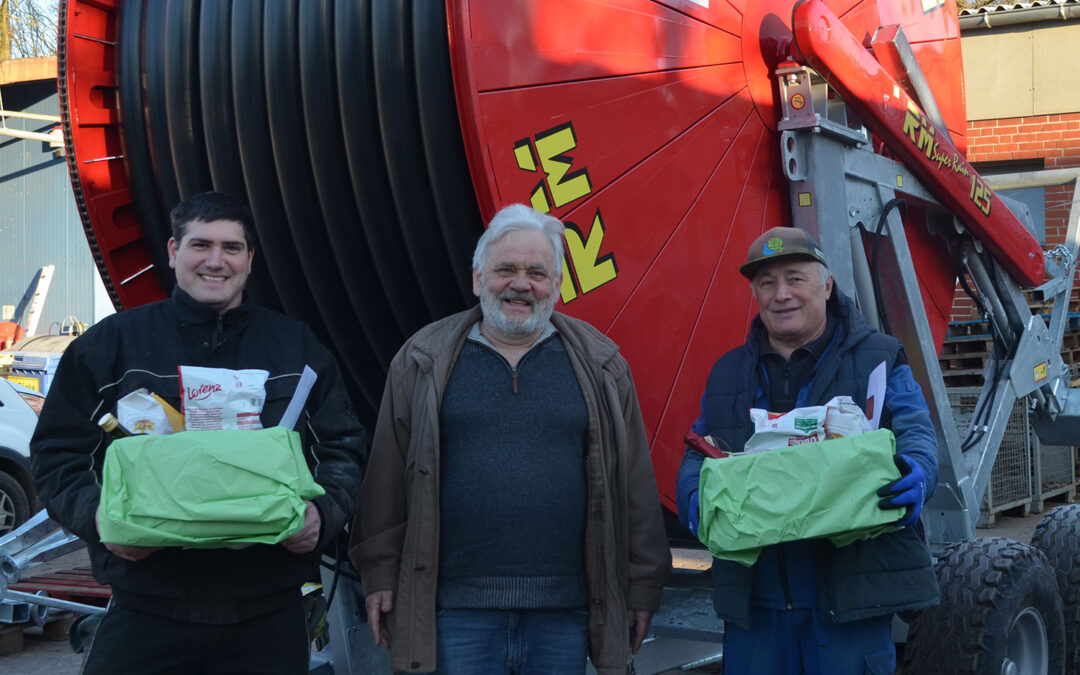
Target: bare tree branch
[28,28]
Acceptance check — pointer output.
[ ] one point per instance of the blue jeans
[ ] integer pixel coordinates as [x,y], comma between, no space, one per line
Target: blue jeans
[511,642]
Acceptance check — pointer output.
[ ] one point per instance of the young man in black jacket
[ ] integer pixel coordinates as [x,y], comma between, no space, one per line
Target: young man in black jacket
[184,609]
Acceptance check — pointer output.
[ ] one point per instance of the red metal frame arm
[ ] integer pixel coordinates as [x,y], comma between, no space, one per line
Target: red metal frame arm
[827,46]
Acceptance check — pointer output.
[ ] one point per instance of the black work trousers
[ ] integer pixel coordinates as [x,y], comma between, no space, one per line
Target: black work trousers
[133,642]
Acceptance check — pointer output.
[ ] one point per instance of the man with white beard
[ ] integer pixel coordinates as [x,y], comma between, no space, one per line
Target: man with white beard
[509,520]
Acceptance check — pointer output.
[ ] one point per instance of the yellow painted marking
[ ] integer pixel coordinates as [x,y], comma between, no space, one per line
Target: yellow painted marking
[565,186]
[538,199]
[805,199]
[523,155]
[1040,371]
[567,291]
[28,382]
[592,270]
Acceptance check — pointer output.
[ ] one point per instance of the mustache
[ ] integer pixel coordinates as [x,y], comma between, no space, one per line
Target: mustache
[517,295]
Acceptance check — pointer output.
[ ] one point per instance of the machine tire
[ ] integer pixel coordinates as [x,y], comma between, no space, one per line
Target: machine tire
[1058,536]
[14,504]
[1000,614]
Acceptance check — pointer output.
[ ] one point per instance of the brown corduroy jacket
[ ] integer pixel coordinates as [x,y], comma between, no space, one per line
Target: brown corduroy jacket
[395,536]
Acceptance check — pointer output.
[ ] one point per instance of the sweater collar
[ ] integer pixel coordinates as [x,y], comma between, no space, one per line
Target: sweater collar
[476,335]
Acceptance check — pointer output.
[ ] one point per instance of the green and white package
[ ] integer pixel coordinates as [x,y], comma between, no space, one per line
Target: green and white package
[825,489]
[205,489]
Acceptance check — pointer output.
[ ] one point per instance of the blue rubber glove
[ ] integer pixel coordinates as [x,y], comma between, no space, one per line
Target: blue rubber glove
[908,491]
[694,516]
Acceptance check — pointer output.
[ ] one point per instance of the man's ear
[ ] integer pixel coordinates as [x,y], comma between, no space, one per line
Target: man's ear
[477,283]
[828,287]
[172,247]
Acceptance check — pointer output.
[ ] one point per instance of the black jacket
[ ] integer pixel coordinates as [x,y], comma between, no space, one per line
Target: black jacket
[143,347]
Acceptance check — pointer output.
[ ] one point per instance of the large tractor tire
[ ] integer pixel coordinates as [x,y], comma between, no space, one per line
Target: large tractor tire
[1000,614]
[1058,536]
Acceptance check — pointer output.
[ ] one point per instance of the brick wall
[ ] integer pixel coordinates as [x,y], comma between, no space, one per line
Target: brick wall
[1042,141]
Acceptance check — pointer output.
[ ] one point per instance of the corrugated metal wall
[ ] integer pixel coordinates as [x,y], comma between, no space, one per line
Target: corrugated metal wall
[39,223]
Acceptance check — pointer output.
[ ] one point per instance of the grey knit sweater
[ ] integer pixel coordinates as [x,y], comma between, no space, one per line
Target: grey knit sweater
[513,489]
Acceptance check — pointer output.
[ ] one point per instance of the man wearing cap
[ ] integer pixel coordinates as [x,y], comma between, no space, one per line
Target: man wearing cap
[808,606]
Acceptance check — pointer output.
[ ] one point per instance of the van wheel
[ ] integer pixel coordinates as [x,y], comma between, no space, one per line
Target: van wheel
[14,505]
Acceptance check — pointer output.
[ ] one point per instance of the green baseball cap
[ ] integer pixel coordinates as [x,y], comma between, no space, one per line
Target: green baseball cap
[781,243]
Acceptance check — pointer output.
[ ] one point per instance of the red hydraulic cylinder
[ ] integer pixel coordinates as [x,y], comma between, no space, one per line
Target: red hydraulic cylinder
[829,47]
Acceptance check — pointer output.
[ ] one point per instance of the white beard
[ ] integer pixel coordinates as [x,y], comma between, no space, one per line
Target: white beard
[491,305]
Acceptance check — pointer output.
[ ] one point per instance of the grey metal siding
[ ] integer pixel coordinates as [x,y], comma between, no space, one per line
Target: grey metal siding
[39,223]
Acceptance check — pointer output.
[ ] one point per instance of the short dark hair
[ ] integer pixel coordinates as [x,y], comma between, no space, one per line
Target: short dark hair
[210,206]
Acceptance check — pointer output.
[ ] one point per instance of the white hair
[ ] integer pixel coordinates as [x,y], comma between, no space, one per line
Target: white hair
[520,217]
[825,273]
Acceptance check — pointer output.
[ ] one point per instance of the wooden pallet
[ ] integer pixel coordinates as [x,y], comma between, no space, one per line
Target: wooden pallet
[1074,301]
[55,629]
[967,349]
[1061,494]
[1018,509]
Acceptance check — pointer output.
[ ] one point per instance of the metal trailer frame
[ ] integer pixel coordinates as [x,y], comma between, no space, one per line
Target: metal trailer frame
[37,541]
[815,146]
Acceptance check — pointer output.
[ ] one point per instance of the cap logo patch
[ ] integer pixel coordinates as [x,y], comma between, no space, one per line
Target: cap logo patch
[772,245]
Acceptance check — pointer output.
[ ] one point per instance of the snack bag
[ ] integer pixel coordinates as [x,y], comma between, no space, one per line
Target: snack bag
[844,419]
[220,398]
[140,413]
[838,418]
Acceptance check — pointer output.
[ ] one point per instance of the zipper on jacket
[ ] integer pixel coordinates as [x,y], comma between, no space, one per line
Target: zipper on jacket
[782,555]
[513,375]
[217,333]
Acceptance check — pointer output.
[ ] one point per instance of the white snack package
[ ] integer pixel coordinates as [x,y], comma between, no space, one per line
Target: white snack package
[844,419]
[840,417]
[220,398]
[139,413]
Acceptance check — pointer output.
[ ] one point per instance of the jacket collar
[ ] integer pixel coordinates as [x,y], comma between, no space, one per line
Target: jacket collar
[193,312]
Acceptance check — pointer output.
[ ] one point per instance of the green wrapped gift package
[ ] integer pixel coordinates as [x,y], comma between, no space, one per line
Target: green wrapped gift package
[205,489]
[826,489]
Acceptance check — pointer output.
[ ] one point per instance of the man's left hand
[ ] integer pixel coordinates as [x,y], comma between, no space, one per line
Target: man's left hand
[639,627]
[907,491]
[306,539]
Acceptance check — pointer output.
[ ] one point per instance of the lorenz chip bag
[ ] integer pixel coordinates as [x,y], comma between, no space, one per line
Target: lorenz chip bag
[220,398]
[839,418]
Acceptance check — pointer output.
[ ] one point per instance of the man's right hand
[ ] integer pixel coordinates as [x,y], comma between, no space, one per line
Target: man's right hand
[132,553]
[378,606]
